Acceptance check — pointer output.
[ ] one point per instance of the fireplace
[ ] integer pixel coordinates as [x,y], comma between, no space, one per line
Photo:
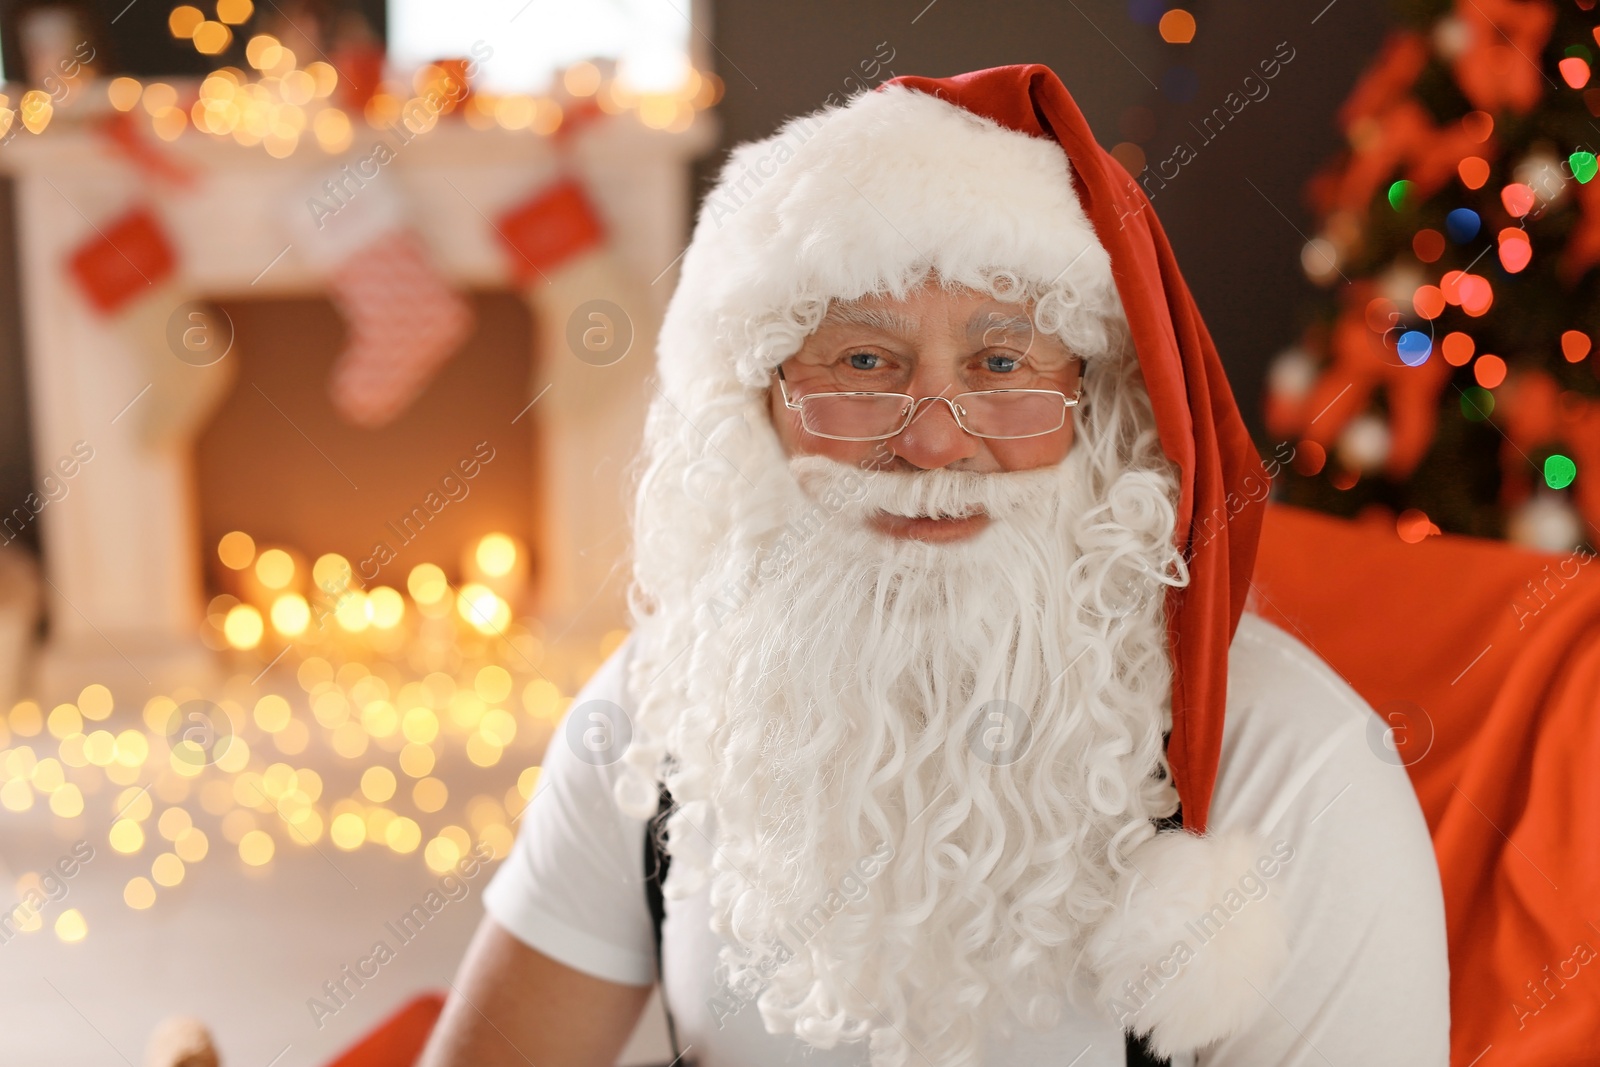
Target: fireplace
[126,553]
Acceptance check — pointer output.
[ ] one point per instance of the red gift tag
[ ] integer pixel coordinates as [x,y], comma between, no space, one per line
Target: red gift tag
[399,1039]
[120,261]
[546,231]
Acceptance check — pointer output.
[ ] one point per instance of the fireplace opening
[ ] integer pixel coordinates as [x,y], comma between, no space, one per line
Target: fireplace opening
[277,462]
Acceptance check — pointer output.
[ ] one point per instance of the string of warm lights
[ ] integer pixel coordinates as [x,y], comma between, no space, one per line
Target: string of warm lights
[277,102]
[386,687]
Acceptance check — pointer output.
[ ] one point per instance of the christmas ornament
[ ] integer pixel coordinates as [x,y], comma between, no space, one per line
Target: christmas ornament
[1547,522]
[1366,357]
[1364,444]
[1495,66]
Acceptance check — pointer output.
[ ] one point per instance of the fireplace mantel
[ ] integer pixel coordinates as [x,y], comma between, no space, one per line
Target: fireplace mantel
[121,558]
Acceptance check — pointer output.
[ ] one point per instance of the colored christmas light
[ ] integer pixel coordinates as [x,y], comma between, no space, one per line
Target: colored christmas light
[1559,471]
[1414,347]
[1462,225]
[1477,403]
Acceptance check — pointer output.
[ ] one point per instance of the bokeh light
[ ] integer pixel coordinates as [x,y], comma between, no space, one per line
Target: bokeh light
[184,20]
[496,554]
[291,614]
[483,609]
[95,702]
[256,848]
[385,607]
[243,627]
[378,784]
[71,926]
[1559,471]
[235,12]
[275,568]
[212,38]
[124,93]
[1474,171]
[402,835]
[1176,26]
[1458,348]
[427,584]
[139,894]
[1489,370]
[1575,345]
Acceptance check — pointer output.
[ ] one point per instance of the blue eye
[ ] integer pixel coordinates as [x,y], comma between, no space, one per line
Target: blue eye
[854,356]
[990,360]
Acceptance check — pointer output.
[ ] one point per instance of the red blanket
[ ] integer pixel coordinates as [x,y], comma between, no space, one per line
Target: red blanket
[399,1039]
[1485,657]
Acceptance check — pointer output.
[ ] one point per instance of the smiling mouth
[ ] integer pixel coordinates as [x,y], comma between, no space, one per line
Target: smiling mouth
[924,528]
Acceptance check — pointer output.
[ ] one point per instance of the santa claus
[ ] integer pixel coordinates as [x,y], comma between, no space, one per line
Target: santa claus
[942,699]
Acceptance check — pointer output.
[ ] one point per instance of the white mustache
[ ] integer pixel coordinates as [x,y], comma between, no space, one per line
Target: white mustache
[937,493]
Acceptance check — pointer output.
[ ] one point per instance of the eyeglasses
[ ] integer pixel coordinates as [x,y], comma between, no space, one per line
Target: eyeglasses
[997,414]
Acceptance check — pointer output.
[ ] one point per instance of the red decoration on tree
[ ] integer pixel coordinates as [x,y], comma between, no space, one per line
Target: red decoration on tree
[1583,244]
[1499,67]
[405,322]
[1362,362]
[1402,134]
[1386,82]
[125,258]
[1469,200]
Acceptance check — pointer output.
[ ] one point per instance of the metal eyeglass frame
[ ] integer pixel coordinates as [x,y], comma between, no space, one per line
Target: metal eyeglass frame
[797,404]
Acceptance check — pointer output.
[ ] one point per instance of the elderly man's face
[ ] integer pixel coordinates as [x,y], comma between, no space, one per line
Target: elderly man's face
[933,343]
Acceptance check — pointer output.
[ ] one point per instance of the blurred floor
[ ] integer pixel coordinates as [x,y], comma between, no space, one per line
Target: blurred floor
[244,949]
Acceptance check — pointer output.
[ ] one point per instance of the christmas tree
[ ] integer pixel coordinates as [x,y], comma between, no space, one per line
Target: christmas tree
[1447,381]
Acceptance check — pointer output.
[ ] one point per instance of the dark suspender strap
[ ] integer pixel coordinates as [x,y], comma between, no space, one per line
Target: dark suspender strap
[1139,1054]
[657,861]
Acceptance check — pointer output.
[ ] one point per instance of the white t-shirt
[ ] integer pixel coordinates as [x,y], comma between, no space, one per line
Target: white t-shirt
[1302,762]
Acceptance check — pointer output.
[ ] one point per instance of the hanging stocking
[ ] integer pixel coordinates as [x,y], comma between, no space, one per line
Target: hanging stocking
[405,322]
[403,319]
[128,273]
[595,336]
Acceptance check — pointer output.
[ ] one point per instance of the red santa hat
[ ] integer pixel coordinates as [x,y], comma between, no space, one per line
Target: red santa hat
[1219,517]
[998,169]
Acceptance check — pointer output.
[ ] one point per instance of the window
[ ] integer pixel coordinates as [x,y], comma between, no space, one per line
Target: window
[531,40]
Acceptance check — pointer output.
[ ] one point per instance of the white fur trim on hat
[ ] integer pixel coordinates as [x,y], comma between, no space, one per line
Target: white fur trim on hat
[861,198]
[1199,942]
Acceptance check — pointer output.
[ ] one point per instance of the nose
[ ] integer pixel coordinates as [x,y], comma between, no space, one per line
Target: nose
[934,438]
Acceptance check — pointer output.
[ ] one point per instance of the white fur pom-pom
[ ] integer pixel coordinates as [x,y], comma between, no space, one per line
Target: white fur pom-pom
[1199,940]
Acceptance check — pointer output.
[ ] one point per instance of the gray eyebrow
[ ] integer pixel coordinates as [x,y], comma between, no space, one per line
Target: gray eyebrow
[874,318]
[994,323]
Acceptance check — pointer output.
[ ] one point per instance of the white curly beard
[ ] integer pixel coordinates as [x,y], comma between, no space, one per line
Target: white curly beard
[910,770]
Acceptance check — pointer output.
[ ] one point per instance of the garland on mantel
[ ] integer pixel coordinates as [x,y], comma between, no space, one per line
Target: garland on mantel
[277,102]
